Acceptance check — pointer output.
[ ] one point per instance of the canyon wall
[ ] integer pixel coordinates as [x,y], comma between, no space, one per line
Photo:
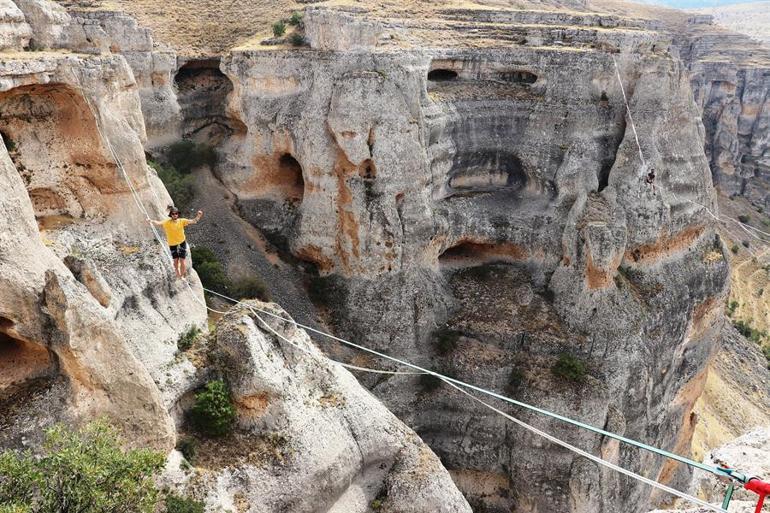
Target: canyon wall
[91,313]
[487,185]
[731,84]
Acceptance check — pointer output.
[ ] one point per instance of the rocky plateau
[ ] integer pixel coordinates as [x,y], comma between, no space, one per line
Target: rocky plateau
[461,186]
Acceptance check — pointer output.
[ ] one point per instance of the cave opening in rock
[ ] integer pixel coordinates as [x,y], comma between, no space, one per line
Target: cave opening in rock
[477,254]
[486,171]
[22,362]
[9,143]
[441,75]
[604,175]
[518,77]
[290,177]
[202,91]
[53,140]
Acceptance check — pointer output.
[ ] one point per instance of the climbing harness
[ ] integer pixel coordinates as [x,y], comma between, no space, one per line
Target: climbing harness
[750,483]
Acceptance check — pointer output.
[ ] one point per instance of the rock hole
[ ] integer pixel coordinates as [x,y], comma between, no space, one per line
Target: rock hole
[475,254]
[604,176]
[290,175]
[603,98]
[518,77]
[486,171]
[56,148]
[21,362]
[202,91]
[368,171]
[442,75]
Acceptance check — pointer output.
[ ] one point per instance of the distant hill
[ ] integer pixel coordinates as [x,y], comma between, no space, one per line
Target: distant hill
[752,19]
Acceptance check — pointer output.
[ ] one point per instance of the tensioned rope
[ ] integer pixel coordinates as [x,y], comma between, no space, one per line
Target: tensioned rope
[721,219]
[630,117]
[590,456]
[454,382]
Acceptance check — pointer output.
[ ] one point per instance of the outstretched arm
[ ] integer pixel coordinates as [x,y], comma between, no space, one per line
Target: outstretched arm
[197,217]
[153,221]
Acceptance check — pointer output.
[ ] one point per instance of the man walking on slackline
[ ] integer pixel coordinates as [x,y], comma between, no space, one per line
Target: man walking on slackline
[177,242]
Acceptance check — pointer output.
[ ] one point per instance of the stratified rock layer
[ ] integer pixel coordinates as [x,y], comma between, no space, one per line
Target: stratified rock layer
[731,85]
[489,186]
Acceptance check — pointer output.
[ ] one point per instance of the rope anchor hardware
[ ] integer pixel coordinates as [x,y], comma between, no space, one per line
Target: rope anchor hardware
[761,488]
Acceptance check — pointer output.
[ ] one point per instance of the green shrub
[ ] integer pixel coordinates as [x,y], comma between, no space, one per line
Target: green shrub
[213,413]
[178,504]
[180,187]
[325,290]
[296,39]
[569,367]
[188,447]
[734,249]
[295,19]
[744,218]
[428,382]
[210,270]
[279,28]
[445,340]
[747,330]
[250,288]
[184,156]
[213,276]
[80,471]
[203,254]
[731,306]
[187,338]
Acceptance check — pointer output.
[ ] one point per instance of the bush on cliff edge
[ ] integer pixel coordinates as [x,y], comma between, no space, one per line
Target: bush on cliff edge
[213,413]
[85,471]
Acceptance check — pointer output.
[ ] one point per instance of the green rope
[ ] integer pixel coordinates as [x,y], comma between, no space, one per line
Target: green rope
[687,461]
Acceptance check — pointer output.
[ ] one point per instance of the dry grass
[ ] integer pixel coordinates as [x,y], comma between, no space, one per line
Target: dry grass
[212,27]
[749,285]
[203,27]
[752,19]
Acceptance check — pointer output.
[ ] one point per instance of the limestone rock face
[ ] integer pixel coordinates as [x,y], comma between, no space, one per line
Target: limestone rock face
[90,311]
[153,65]
[331,31]
[15,32]
[48,21]
[496,191]
[750,454]
[332,445]
[730,75]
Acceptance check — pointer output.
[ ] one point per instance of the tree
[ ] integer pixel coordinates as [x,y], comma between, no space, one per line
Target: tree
[84,471]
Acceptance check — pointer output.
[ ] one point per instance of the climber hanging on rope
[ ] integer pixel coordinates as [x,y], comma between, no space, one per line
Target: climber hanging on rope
[650,179]
[177,242]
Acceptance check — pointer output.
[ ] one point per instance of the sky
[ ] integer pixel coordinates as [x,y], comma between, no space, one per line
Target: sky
[694,4]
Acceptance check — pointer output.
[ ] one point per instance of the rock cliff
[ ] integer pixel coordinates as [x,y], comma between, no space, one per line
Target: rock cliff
[487,186]
[90,312]
[731,84]
[310,439]
[457,186]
